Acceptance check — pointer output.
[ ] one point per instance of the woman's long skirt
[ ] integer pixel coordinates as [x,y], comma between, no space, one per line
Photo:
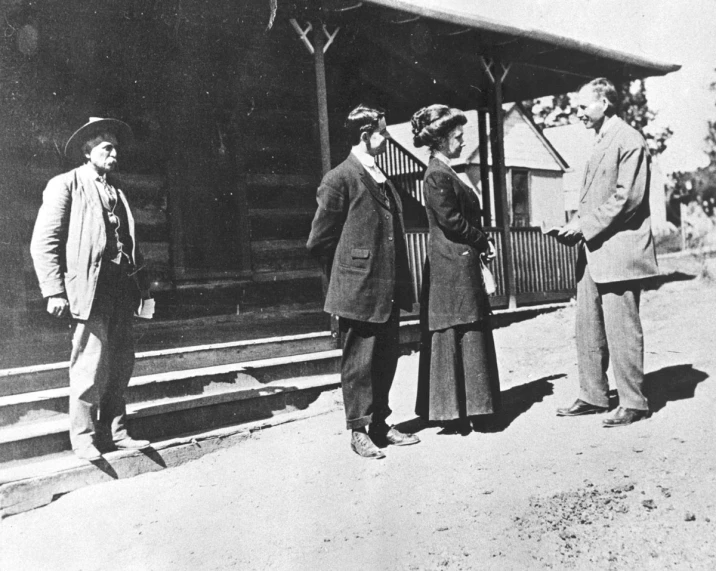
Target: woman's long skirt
[458,375]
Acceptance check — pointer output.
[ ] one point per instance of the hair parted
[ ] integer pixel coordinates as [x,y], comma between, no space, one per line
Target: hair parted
[363,119]
[433,123]
[602,87]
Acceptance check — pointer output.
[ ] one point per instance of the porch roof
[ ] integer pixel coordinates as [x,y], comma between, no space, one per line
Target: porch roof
[543,62]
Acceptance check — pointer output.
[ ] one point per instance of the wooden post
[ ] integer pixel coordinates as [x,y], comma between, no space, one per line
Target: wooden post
[484,167]
[322,100]
[497,136]
[322,95]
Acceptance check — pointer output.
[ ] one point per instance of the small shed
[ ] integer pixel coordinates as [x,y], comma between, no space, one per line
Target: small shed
[535,169]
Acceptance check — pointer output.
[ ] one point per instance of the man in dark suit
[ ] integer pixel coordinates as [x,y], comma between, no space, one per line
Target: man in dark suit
[616,253]
[358,234]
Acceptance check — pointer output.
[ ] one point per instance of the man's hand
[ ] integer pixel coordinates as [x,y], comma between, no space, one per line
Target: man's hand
[570,233]
[58,306]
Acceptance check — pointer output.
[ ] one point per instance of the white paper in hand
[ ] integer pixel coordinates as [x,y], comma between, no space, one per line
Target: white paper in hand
[146,309]
[488,279]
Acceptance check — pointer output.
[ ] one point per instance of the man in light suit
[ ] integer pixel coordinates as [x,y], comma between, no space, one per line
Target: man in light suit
[358,234]
[86,258]
[616,253]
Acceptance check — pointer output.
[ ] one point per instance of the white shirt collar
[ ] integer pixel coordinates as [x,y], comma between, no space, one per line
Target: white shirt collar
[368,161]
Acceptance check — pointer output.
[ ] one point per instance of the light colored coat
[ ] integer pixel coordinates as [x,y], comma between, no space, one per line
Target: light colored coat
[70,237]
[613,210]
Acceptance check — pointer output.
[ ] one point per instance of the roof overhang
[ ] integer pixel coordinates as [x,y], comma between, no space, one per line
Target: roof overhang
[422,51]
[464,14]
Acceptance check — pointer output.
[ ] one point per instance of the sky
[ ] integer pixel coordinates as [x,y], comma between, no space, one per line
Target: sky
[673,31]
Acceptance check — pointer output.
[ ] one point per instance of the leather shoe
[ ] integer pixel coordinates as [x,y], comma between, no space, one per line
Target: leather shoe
[625,416]
[89,453]
[131,444]
[459,426]
[580,408]
[362,445]
[393,436]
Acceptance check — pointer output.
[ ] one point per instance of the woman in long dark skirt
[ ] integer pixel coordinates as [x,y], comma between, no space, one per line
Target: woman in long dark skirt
[458,378]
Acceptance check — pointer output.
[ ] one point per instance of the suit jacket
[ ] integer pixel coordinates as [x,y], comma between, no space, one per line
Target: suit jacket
[70,237]
[361,242]
[613,210]
[452,281]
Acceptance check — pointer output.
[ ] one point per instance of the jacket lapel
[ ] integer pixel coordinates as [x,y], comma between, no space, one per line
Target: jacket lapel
[89,189]
[368,181]
[394,194]
[598,155]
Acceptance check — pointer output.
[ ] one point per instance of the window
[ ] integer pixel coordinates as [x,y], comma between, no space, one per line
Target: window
[520,198]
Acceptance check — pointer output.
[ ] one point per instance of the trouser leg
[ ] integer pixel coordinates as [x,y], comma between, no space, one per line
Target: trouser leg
[88,375]
[626,341]
[370,356]
[592,348]
[112,412]
[385,362]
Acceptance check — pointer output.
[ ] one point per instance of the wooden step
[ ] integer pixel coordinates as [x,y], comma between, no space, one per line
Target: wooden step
[170,402]
[173,403]
[32,483]
[50,376]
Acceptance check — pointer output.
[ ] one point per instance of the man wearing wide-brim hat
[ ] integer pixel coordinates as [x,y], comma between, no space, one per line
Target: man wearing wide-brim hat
[86,258]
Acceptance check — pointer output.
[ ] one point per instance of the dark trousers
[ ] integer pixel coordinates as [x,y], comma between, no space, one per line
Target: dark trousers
[370,357]
[609,330]
[102,361]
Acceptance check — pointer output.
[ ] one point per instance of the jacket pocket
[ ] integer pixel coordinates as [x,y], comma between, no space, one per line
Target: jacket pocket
[359,260]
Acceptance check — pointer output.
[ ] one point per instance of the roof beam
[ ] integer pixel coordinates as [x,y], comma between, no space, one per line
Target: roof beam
[445,74]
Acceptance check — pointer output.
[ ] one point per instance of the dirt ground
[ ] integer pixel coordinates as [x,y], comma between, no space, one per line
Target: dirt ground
[539,492]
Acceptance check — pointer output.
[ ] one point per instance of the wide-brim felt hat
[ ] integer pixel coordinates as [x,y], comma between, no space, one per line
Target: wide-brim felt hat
[96,126]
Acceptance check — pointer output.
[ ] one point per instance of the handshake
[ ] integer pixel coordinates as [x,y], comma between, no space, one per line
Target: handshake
[569,234]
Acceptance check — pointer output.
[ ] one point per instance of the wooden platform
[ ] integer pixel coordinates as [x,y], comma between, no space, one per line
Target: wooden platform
[179,398]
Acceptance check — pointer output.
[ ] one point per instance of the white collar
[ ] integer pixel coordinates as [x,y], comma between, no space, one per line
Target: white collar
[368,161]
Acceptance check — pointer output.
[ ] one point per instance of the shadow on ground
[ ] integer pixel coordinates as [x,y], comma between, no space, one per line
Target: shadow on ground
[657,281]
[676,382]
[515,402]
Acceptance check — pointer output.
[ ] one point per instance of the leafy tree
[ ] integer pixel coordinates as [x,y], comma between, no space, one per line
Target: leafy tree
[633,108]
[700,185]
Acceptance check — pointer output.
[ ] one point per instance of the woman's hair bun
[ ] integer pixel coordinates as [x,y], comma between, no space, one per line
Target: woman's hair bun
[433,123]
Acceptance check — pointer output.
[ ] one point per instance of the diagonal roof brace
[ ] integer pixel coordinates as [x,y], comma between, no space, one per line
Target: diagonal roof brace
[303,35]
[489,64]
